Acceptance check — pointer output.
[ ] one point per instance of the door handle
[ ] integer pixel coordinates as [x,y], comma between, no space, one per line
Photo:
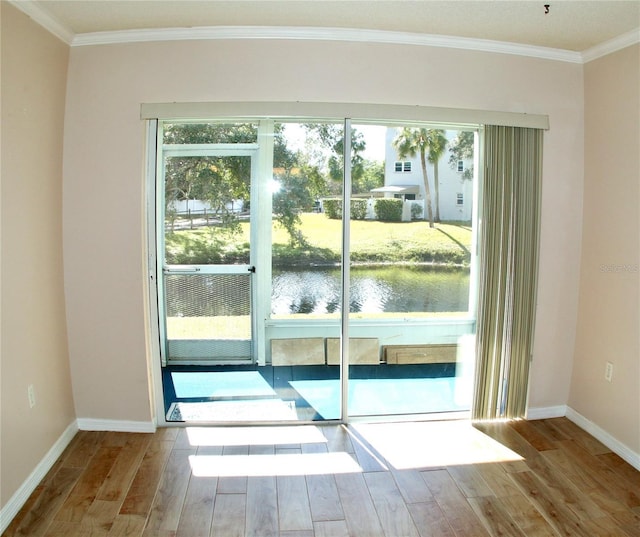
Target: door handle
[252,269]
[173,270]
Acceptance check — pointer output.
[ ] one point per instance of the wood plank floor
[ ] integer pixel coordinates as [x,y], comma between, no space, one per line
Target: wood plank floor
[444,479]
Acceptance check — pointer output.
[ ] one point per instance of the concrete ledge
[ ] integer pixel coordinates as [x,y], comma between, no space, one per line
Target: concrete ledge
[420,354]
[361,351]
[297,351]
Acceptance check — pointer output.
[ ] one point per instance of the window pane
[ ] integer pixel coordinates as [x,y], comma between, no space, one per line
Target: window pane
[207,210]
[401,264]
[210,133]
[307,221]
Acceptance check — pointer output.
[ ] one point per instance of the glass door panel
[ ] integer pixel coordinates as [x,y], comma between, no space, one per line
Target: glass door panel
[411,232]
[304,324]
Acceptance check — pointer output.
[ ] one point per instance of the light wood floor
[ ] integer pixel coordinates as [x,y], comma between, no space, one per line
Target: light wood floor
[539,478]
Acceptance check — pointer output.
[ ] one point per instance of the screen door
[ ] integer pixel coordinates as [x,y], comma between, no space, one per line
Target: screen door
[207,273]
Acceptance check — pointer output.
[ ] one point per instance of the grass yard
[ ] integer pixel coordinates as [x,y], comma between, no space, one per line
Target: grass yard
[371,242]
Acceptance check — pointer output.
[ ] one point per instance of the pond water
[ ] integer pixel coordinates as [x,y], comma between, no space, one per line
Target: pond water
[387,289]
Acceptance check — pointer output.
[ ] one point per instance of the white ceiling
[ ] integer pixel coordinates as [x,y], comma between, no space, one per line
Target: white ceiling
[570,25]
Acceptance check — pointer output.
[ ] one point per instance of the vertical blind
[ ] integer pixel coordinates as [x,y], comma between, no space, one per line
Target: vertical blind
[509,237]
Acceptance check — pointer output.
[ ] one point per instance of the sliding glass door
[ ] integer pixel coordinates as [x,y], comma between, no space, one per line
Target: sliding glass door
[315,269]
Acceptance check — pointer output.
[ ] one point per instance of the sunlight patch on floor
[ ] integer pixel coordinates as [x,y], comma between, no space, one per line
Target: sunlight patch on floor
[273,465]
[432,444]
[235,384]
[254,436]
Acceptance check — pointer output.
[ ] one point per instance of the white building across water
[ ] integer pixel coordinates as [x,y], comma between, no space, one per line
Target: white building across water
[403,178]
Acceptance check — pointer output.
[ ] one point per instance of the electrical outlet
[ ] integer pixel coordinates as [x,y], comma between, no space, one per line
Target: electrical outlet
[32,396]
[608,372]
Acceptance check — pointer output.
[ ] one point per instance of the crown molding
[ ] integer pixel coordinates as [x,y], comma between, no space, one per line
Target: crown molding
[39,14]
[323,34]
[613,45]
[32,9]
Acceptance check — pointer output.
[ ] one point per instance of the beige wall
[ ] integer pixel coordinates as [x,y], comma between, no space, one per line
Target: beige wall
[34,330]
[103,186]
[608,320]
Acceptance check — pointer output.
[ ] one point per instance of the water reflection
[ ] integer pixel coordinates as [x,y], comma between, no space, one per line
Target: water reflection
[373,290]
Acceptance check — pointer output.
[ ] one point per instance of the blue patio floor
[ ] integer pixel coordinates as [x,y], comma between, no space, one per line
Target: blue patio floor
[314,391]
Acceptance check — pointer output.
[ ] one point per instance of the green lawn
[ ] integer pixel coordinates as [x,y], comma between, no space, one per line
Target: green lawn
[371,242]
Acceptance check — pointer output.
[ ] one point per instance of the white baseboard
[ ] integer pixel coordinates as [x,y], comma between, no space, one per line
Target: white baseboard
[120,426]
[612,443]
[13,506]
[543,413]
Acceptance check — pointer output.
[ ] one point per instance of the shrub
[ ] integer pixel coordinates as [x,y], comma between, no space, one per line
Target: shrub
[416,211]
[358,209]
[333,208]
[389,209]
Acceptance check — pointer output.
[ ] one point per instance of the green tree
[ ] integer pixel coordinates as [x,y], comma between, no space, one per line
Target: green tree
[221,181]
[210,133]
[410,142]
[437,144]
[461,148]
[331,138]
[372,177]
[298,188]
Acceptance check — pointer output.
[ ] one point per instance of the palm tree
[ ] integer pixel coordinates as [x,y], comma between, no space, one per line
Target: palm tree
[408,143]
[437,144]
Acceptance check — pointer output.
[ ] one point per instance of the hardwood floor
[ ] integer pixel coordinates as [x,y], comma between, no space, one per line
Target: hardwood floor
[433,479]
